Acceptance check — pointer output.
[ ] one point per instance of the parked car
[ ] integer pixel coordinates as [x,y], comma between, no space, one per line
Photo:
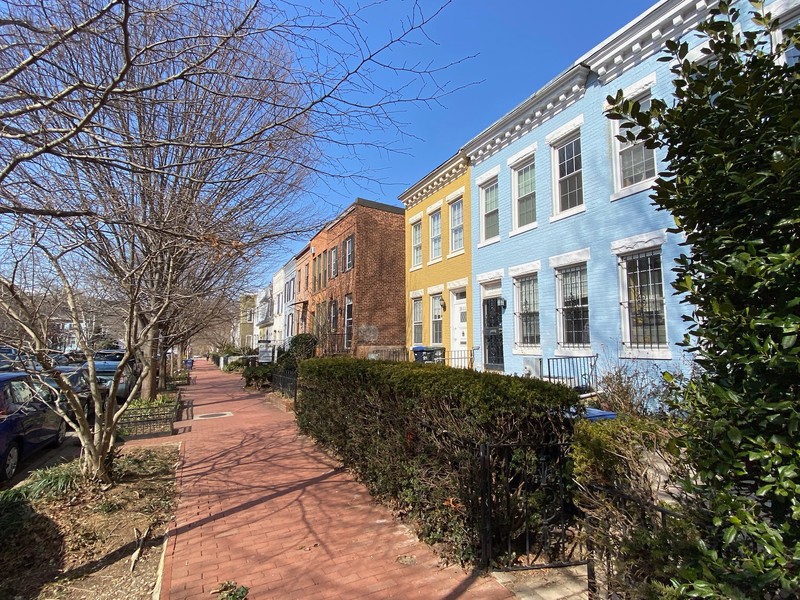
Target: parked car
[27,423]
[78,379]
[105,370]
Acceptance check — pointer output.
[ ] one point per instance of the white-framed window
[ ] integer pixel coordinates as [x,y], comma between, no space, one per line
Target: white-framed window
[333,316]
[457,225]
[526,315]
[644,319]
[436,319]
[416,319]
[635,163]
[348,253]
[573,306]
[788,14]
[490,210]
[250,314]
[568,173]
[348,321]
[524,181]
[334,255]
[416,244]
[435,222]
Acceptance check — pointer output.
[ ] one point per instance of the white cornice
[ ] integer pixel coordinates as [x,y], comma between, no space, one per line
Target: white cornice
[446,173]
[645,36]
[560,93]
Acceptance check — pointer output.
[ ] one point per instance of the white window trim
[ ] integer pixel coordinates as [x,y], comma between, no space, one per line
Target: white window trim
[570,258]
[433,207]
[488,175]
[435,289]
[558,262]
[416,293]
[421,321]
[458,284]
[481,192]
[453,196]
[653,240]
[435,259]
[531,268]
[521,159]
[416,266]
[488,276]
[452,199]
[637,91]
[415,218]
[494,240]
[783,10]
[566,133]
[436,298]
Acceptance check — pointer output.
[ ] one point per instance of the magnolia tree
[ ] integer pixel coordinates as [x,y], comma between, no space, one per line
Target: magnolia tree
[732,183]
[152,153]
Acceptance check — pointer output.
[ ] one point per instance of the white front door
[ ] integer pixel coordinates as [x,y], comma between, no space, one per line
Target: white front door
[458,329]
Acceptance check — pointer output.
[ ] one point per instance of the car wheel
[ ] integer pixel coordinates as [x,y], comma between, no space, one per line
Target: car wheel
[10,462]
[61,433]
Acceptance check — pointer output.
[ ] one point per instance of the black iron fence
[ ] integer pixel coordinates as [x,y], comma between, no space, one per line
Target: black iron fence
[149,419]
[285,382]
[528,519]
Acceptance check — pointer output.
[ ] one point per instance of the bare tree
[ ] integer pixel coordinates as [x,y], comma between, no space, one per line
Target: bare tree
[155,151]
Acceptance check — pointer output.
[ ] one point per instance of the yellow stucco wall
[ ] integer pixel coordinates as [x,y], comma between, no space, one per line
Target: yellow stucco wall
[452,267]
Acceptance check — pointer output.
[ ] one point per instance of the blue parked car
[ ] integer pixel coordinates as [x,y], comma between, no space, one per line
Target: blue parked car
[26,422]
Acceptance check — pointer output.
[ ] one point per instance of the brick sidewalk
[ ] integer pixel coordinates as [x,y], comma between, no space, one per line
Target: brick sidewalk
[260,505]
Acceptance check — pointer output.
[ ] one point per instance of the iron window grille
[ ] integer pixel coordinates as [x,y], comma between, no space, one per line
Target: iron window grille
[643,303]
[527,315]
[573,306]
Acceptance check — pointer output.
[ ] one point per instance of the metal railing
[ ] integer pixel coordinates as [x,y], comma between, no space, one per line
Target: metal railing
[148,420]
[285,382]
[577,372]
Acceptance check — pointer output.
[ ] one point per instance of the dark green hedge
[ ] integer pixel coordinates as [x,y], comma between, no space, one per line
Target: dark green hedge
[411,433]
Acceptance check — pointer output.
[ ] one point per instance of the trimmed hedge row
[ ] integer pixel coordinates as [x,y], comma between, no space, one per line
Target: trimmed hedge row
[411,433]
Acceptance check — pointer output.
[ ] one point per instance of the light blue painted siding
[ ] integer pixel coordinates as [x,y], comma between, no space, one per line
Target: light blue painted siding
[603,222]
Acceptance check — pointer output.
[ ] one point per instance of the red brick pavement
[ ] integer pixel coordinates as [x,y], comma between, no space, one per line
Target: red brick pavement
[260,505]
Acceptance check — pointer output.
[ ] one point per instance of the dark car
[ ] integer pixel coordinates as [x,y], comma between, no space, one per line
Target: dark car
[78,379]
[105,370]
[27,423]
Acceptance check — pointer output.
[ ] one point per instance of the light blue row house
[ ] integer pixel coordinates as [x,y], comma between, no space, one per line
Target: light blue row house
[570,257]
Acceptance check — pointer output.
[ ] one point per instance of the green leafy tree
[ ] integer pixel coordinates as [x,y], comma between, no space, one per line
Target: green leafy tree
[732,182]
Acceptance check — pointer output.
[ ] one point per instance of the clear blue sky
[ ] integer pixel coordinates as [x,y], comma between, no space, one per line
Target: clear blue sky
[518,46]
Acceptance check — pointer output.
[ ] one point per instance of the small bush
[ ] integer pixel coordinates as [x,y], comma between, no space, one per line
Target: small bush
[259,376]
[237,365]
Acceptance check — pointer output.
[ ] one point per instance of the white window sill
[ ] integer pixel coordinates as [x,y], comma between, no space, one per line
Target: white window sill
[433,261]
[489,242]
[642,186]
[568,213]
[524,229]
[646,353]
[416,268]
[527,350]
[583,351]
[455,253]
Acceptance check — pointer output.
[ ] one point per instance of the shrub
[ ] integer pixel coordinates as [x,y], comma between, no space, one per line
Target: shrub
[411,432]
[258,376]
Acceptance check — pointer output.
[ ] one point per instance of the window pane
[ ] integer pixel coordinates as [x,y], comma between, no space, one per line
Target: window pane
[570,179]
[456,225]
[436,319]
[491,218]
[645,300]
[526,195]
[416,318]
[574,306]
[436,235]
[416,244]
[528,311]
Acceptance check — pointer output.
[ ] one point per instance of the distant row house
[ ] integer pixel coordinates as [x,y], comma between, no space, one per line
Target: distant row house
[536,242]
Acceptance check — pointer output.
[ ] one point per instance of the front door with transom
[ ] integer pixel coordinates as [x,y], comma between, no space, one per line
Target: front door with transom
[493,334]
[459,355]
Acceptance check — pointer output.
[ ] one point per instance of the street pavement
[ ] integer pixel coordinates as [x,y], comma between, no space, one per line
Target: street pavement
[262,506]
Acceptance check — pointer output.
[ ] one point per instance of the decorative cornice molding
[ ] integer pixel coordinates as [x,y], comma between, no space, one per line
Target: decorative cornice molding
[645,36]
[557,95]
[444,174]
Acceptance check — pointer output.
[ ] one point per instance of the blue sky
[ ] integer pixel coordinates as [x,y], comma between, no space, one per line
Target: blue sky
[516,46]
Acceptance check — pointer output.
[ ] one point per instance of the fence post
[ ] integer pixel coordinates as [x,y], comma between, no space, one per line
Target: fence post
[486,505]
[590,574]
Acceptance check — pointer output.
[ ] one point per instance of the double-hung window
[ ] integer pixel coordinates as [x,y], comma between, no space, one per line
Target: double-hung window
[457,225]
[524,178]
[333,318]
[490,204]
[644,322]
[436,319]
[416,244]
[334,254]
[436,234]
[416,319]
[573,306]
[569,174]
[636,163]
[348,253]
[788,14]
[348,321]
[527,310]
